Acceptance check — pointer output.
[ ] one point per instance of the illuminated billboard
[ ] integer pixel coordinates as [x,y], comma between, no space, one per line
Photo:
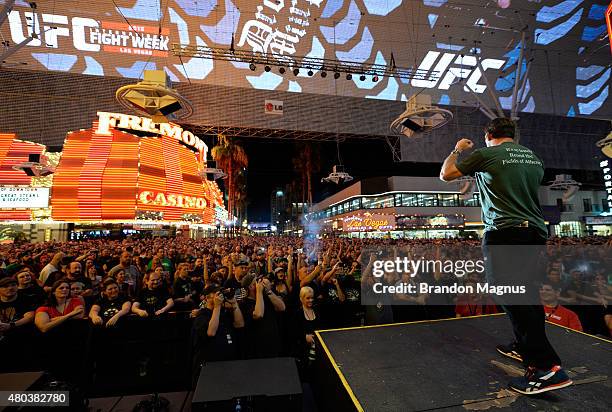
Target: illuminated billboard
[107,174]
[368,222]
[14,152]
[569,74]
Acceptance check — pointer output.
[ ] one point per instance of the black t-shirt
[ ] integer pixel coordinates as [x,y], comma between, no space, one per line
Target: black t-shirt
[197,272]
[34,296]
[109,308]
[330,306]
[197,287]
[221,347]
[13,311]
[351,309]
[261,336]
[153,300]
[182,287]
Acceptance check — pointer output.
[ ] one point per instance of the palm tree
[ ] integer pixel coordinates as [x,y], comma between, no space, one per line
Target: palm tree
[306,164]
[232,158]
[241,201]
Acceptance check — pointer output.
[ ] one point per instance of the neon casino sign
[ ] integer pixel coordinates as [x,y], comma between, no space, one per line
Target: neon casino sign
[368,222]
[144,124]
[171,199]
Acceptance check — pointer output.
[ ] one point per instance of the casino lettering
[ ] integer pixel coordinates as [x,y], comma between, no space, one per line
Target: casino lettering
[171,199]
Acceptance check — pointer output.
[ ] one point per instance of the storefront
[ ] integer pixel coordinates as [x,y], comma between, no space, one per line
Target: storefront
[122,173]
[598,225]
[397,226]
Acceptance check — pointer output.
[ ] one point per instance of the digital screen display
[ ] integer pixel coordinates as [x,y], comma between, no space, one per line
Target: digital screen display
[569,73]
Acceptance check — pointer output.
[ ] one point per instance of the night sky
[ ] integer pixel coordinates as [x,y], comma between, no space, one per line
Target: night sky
[271,166]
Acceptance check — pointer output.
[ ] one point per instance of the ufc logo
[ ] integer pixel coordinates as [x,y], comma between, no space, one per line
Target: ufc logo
[443,75]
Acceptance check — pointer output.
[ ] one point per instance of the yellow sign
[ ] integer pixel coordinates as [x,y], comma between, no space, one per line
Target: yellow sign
[369,222]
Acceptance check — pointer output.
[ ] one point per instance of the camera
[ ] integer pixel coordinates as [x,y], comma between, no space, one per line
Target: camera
[228,293]
[312,354]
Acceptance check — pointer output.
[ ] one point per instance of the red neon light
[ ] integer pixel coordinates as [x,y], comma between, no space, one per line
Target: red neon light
[99,178]
[96,177]
[13,152]
[609,23]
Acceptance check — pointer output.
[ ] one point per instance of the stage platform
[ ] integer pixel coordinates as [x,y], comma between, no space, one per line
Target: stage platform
[452,365]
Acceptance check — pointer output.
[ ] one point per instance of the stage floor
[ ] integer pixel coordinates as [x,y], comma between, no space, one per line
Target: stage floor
[453,365]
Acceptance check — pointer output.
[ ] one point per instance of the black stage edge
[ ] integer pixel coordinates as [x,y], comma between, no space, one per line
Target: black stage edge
[451,364]
[263,385]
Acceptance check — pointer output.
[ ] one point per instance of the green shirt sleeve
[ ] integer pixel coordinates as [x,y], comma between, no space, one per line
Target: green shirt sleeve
[471,164]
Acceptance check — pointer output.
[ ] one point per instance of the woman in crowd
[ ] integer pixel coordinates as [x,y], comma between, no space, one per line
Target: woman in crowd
[29,289]
[91,272]
[111,306]
[59,308]
[122,284]
[306,321]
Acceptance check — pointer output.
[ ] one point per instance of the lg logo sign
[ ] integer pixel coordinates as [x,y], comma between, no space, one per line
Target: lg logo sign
[273,107]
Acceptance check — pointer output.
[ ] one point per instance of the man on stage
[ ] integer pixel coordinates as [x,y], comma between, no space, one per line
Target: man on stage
[508,176]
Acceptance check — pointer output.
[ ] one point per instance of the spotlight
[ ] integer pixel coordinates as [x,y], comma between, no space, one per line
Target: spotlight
[349,76]
[362,77]
[375,78]
[267,68]
[252,67]
[336,75]
[296,72]
[281,70]
[324,74]
[310,73]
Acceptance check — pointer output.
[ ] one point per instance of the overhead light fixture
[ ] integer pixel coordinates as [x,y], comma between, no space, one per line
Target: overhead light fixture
[281,70]
[362,77]
[349,76]
[310,73]
[296,72]
[267,68]
[252,67]
[324,74]
[336,75]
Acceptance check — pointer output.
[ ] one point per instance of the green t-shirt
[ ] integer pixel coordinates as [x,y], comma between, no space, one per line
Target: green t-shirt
[508,177]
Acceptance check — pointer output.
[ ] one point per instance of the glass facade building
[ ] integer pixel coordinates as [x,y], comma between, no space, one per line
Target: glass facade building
[395,200]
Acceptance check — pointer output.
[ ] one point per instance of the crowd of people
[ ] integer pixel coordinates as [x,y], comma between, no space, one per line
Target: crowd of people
[253,297]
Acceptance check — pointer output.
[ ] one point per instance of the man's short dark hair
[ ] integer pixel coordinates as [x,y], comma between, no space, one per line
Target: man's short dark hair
[556,288]
[501,127]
